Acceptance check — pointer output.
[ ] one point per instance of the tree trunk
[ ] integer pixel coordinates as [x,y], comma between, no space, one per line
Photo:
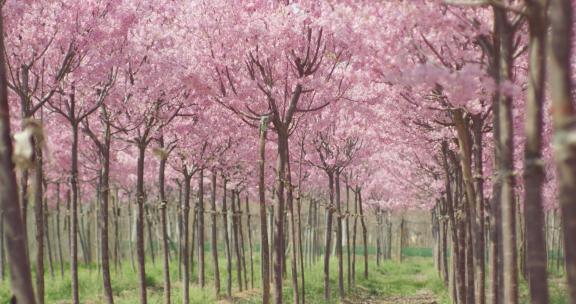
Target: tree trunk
[47,235]
[149,224]
[339,250]
[479,241]
[140,253]
[21,279]
[294,249]
[214,234]
[560,49]
[457,271]
[264,254]
[74,212]
[354,230]
[505,143]
[163,223]
[348,260]
[131,233]
[401,240]
[58,238]
[236,238]
[241,235]
[201,259]
[105,197]
[328,236]
[39,215]
[227,240]
[279,219]
[185,226]
[364,232]
[250,244]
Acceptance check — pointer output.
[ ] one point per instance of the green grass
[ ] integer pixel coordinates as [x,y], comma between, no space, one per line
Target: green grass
[391,278]
[388,279]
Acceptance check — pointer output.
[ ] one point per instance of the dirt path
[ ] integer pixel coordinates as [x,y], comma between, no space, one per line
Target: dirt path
[422,297]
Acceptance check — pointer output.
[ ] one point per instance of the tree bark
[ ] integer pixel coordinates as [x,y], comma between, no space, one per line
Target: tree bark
[236,238]
[328,242]
[201,259]
[21,279]
[280,201]
[505,143]
[74,211]
[214,234]
[58,238]
[354,230]
[47,235]
[560,51]
[294,248]
[339,250]
[185,232]
[348,260]
[533,164]
[226,240]
[264,254]
[480,240]
[105,197]
[163,223]
[39,215]
[250,244]
[140,253]
[364,232]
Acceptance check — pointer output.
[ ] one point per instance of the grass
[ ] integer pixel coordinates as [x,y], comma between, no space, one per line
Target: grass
[414,275]
[388,279]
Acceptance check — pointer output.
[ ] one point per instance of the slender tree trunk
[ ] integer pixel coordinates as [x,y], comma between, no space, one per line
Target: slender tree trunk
[264,254]
[328,236]
[185,226]
[58,238]
[163,223]
[339,250]
[201,262]
[300,245]
[21,279]
[401,240]
[39,214]
[348,260]
[533,163]
[251,246]
[214,234]
[364,232]
[560,49]
[105,197]
[140,253]
[354,230]
[236,238]
[227,240]
[457,271]
[47,235]
[241,240]
[131,233]
[279,219]
[149,224]
[480,241]
[470,221]
[2,256]
[242,243]
[505,143]
[180,229]
[294,249]
[74,212]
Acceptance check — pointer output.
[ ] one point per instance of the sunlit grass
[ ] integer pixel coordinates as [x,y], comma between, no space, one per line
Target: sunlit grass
[414,275]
